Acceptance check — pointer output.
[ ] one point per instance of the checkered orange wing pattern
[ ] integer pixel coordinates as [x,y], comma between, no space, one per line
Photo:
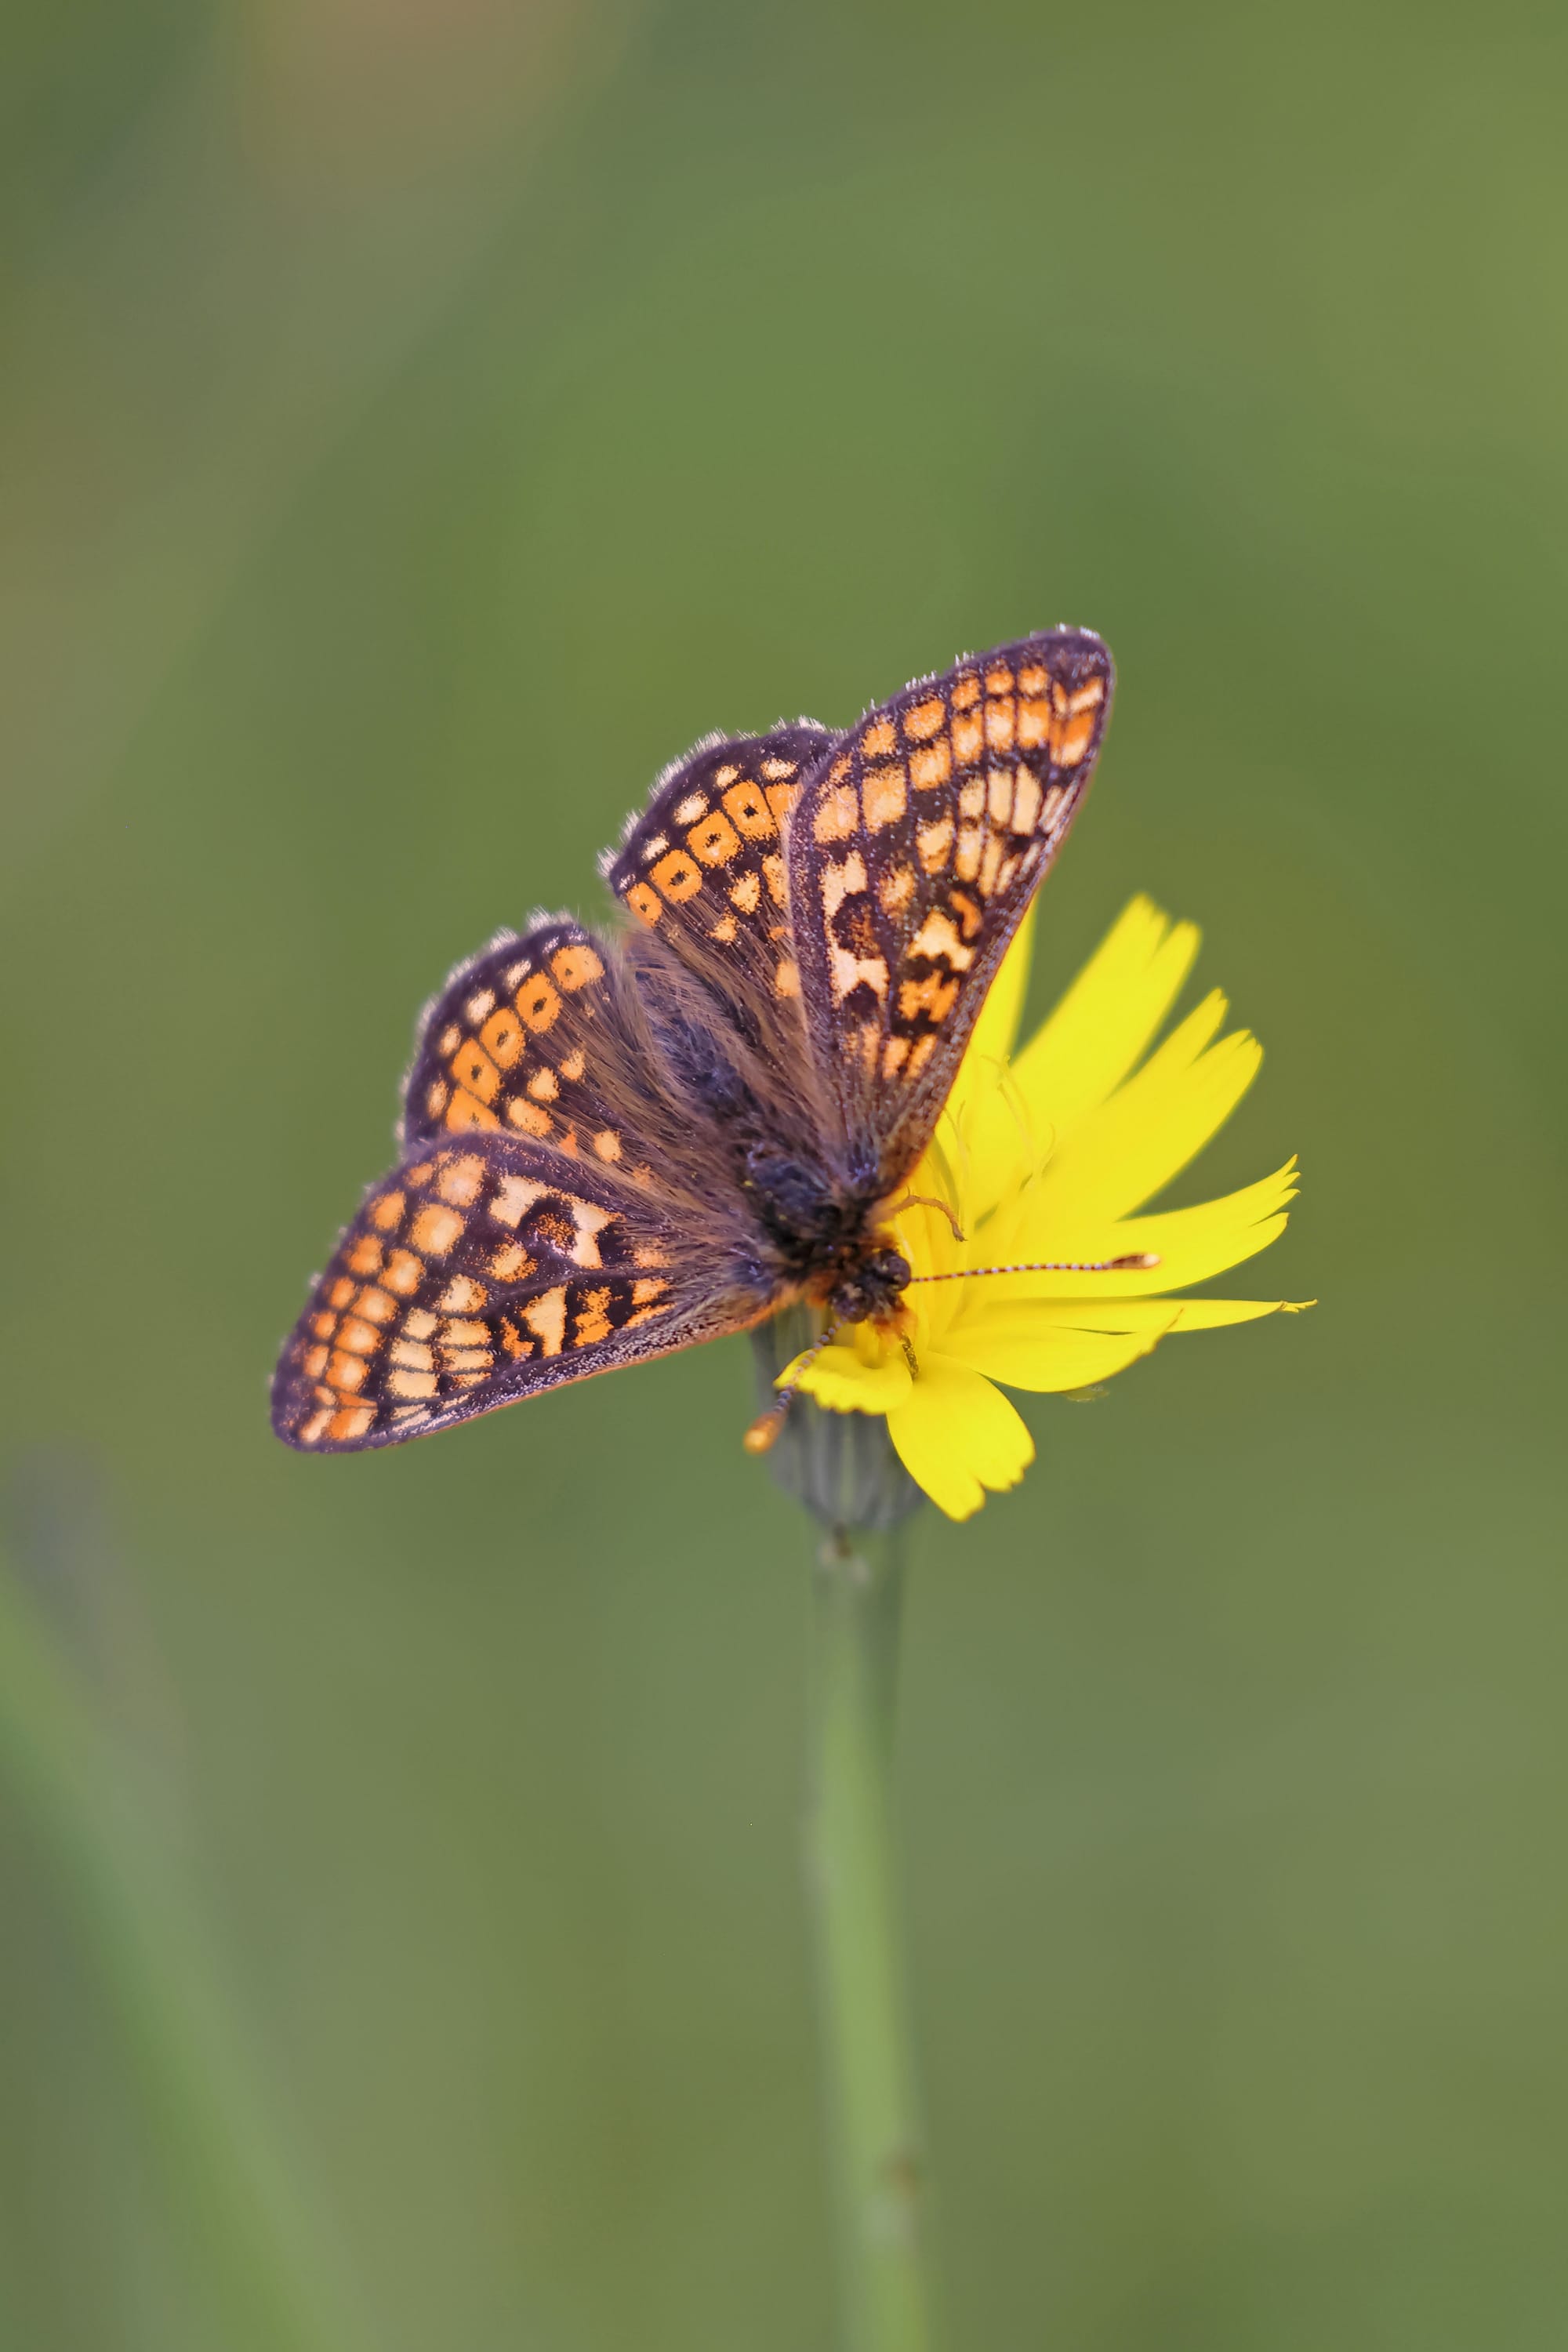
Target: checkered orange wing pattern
[524,1040]
[476,1274]
[702,868]
[912,852]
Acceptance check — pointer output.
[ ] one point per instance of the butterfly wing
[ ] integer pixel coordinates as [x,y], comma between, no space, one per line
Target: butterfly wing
[482,1270]
[702,870]
[912,853]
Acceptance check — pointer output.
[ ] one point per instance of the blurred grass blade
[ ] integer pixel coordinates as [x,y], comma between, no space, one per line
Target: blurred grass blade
[255,2245]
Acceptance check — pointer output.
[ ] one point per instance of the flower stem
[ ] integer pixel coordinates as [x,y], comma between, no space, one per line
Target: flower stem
[873,2135]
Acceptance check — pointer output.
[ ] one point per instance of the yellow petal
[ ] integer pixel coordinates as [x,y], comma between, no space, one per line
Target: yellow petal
[1191,1244]
[1027,1318]
[956,1436]
[1127,1148]
[1028,1352]
[844,1382]
[1105,1021]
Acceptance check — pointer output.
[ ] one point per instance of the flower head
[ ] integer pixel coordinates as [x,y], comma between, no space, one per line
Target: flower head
[1049,1155]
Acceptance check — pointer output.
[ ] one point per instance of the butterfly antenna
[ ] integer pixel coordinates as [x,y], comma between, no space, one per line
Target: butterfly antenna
[763,1432]
[1140,1262]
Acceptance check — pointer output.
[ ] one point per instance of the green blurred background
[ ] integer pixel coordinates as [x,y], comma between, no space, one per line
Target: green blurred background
[420,421]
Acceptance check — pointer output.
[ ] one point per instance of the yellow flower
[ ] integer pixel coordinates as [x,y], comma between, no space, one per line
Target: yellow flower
[1049,1156]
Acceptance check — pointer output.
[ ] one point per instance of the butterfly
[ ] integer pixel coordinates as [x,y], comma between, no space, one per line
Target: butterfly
[616,1145]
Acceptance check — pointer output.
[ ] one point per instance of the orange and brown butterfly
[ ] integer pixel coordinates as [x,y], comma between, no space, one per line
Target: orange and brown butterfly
[614,1145]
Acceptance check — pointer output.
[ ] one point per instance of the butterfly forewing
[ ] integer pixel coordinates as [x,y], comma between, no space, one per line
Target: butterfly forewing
[478,1272]
[911,854]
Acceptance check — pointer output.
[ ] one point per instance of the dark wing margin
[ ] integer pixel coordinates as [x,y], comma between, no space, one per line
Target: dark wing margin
[482,1271]
[912,852]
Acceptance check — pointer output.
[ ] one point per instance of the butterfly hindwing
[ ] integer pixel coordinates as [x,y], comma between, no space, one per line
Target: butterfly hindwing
[702,868]
[524,1040]
[912,852]
[482,1270]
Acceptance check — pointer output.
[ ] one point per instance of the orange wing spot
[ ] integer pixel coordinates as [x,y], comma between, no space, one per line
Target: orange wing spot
[966,864]
[968,734]
[972,796]
[592,1322]
[1068,747]
[436,1095]
[387,1212]
[726,930]
[837,815]
[347,1372]
[353,1421]
[970,916]
[324,1326]
[938,936]
[468,1364]
[502,1037]
[694,805]
[725,775]
[473,1068]
[679,875]
[782,798]
[1025,799]
[746,893]
[999,794]
[644,902]
[778,888]
[999,680]
[539,1002]
[375,1306]
[528,1116]
[967,692]
[990,864]
[646,1314]
[365,1255]
[462,1295]
[574,1063]
[777,769]
[422,1173]
[546,1317]
[315,1361]
[576,966]
[419,1323]
[787,978]
[607,1144]
[920,1052]
[999,726]
[459,1181]
[645,1291]
[512,1263]
[933,843]
[412,1356]
[896,889]
[930,765]
[1089,696]
[1034,725]
[894,1055]
[926,719]
[434,1230]
[464,1114]
[1032,681]
[882,793]
[933,996]
[544,1086]
[340,1294]
[1054,795]
[451,1038]
[877,740]
[463,1332]
[478,1004]
[411,1385]
[714,840]
[749,811]
[360,1337]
